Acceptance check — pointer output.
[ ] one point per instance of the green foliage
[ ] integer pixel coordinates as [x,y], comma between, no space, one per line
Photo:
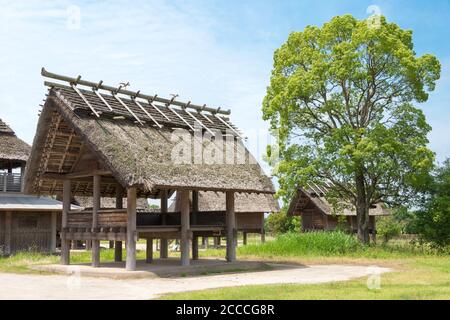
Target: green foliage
[388,227]
[342,224]
[298,244]
[433,221]
[280,222]
[340,98]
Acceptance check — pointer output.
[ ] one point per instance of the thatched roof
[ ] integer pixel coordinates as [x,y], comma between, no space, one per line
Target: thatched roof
[310,198]
[109,203]
[209,201]
[12,149]
[136,154]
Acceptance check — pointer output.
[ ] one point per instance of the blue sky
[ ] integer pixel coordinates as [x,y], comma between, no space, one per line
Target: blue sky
[214,52]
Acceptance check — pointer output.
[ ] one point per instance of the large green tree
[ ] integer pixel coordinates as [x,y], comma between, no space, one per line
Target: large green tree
[341,98]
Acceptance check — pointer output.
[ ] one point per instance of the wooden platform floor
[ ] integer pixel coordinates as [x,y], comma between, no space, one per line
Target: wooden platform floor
[159,268]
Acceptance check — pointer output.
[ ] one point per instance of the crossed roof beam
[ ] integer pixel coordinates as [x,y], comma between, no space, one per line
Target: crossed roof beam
[150,99]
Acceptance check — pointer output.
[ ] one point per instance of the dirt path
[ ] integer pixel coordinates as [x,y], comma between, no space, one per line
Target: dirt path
[18,286]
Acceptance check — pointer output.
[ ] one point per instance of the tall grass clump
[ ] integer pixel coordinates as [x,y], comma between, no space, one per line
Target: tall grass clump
[335,243]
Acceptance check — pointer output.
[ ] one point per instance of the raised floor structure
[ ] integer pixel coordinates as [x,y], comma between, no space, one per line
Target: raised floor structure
[98,141]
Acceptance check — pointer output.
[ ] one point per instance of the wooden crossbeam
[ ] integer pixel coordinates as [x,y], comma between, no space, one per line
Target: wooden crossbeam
[103,99]
[121,90]
[146,112]
[74,87]
[128,109]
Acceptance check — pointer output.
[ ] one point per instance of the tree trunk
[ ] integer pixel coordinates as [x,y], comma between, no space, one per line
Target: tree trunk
[362,209]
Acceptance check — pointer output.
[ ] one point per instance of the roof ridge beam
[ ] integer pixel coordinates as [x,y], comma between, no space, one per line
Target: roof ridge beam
[100,85]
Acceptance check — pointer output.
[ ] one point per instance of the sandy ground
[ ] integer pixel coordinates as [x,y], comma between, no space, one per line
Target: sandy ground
[19,286]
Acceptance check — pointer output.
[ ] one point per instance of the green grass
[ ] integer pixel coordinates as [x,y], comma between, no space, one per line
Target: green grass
[22,261]
[416,278]
[420,272]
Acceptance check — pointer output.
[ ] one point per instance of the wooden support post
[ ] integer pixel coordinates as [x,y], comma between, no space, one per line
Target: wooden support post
[131,229]
[231,227]
[8,227]
[263,235]
[95,209]
[119,205]
[184,206]
[65,244]
[53,225]
[118,251]
[195,248]
[194,207]
[164,247]
[244,240]
[149,251]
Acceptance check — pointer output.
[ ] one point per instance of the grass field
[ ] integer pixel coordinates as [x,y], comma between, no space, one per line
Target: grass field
[420,272]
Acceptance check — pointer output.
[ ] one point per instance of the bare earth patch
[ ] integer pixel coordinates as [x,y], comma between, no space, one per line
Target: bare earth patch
[20,286]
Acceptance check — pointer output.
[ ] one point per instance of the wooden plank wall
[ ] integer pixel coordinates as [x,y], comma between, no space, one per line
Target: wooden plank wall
[29,231]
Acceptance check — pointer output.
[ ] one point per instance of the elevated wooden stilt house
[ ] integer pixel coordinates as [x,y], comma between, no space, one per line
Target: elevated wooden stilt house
[318,214]
[26,222]
[101,141]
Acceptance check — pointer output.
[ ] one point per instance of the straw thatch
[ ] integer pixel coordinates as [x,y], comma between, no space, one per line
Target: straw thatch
[310,199]
[137,155]
[109,203]
[12,149]
[209,201]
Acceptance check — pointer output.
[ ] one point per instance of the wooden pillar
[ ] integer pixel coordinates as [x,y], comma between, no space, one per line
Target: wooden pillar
[164,247]
[8,227]
[149,250]
[118,251]
[53,224]
[119,205]
[195,248]
[244,240]
[184,206]
[95,209]
[131,229]
[231,227]
[65,244]
[263,235]
[194,221]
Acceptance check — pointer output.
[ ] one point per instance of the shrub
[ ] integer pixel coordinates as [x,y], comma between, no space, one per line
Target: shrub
[388,227]
[433,220]
[308,243]
[280,222]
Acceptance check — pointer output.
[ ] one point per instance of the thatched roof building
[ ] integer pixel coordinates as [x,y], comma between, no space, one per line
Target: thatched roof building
[318,214]
[69,136]
[100,141]
[306,198]
[210,201]
[13,151]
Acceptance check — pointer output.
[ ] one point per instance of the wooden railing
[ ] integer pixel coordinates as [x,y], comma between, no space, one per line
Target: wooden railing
[108,218]
[10,182]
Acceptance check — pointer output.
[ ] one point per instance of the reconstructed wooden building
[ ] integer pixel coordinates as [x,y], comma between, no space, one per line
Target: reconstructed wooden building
[26,222]
[318,214]
[101,141]
[249,209]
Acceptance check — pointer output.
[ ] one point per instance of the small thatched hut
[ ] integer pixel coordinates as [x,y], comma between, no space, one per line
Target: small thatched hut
[249,209]
[102,141]
[318,214]
[26,222]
